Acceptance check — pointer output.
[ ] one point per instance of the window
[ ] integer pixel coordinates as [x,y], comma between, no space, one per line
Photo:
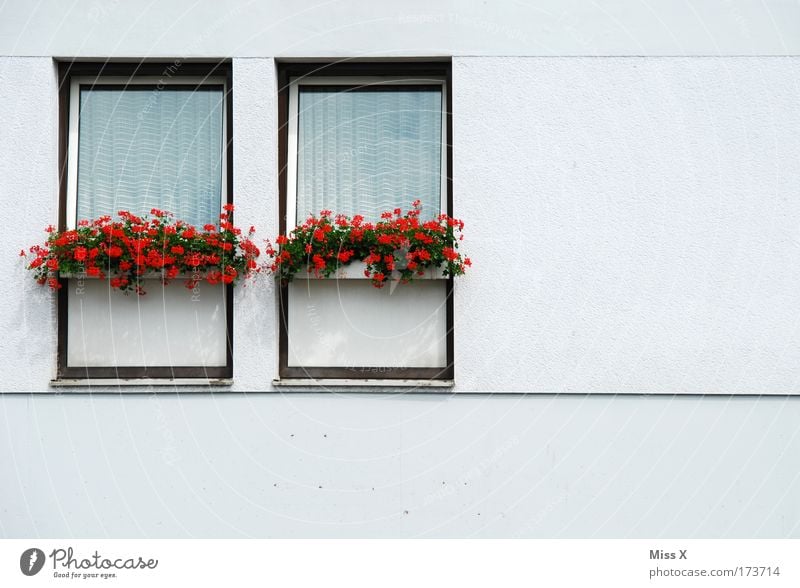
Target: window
[137,137]
[364,139]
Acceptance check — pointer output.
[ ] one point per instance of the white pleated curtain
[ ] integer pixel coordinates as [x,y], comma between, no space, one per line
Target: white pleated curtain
[142,148]
[368,150]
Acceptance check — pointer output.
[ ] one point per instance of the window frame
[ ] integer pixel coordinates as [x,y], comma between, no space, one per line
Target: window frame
[177,72]
[290,75]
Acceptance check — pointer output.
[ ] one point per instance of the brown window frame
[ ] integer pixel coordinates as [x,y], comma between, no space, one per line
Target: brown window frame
[166,70]
[288,71]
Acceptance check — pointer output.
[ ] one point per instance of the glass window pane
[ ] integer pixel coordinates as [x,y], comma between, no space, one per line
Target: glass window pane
[367,150]
[142,148]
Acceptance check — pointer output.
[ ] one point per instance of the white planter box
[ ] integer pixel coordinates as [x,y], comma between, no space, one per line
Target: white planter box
[146,276]
[355,271]
[169,326]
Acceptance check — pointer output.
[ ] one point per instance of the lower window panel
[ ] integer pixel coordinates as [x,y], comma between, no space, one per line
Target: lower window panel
[347,323]
[168,326]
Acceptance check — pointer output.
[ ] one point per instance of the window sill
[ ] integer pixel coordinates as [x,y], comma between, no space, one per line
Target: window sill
[140,382]
[359,383]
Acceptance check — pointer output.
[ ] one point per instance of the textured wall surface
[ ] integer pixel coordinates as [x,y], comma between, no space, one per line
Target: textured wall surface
[634,226]
[255,191]
[29,193]
[634,223]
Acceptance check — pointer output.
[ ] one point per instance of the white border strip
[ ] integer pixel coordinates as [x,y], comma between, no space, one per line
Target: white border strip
[123,82]
[294,105]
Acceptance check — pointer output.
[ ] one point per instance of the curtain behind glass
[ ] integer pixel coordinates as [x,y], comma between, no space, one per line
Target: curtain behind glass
[367,150]
[143,148]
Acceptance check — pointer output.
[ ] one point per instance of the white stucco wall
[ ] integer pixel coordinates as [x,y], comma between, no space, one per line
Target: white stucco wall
[634,224]
[634,227]
[29,168]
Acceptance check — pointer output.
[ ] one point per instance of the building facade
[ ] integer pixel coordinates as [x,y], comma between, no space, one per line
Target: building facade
[619,361]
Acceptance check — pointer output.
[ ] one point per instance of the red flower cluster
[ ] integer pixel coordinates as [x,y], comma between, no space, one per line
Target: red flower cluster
[398,246]
[128,249]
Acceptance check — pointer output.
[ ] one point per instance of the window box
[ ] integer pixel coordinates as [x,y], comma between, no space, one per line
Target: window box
[131,249]
[397,248]
[152,275]
[355,270]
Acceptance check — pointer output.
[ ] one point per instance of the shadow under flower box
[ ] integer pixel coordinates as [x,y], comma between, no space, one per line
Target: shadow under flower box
[355,271]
